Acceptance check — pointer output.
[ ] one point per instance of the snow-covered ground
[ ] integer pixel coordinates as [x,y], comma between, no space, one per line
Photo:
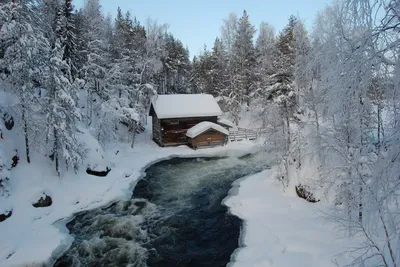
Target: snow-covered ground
[30,237]
[280,229]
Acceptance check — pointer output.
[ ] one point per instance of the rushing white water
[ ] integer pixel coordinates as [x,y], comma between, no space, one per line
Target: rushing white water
[175,218]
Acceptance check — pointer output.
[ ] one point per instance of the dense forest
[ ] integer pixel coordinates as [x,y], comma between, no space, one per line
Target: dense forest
[331,94]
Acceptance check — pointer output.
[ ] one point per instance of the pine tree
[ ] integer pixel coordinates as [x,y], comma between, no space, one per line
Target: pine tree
[176,67]
[282,89]
[244,59]
[202,73]
[277,98]
[69,37]
[241,80]
[63,115]
[218,71]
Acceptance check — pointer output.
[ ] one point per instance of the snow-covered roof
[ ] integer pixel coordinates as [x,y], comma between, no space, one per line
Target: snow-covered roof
[221,98]
[226,122]
[204,126]
[189,106]
[218,98]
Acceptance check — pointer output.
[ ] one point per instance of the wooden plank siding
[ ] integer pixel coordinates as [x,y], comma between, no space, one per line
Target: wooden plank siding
[157,136]
[209,138]
[172,132]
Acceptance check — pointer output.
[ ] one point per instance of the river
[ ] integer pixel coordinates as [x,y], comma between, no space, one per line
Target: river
[174,218]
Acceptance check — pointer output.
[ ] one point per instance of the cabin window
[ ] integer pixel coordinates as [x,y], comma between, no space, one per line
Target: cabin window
[172,122]
[182,139]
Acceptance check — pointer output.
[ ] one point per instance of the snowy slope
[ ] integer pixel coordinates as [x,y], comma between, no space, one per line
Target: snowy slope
[31,233]
[281,229]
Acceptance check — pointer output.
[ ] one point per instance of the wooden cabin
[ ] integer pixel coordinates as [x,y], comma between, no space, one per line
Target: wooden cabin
[174,115]
[207,134]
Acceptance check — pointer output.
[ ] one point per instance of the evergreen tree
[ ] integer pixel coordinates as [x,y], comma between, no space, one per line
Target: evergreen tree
[176,67]
[63,114]
[202,69]
[218,71]
[282,89]
[241,78]
[69,37]
[244,59]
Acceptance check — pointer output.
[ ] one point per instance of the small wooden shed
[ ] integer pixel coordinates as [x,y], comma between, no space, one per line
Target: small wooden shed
[207,134]
[174,115]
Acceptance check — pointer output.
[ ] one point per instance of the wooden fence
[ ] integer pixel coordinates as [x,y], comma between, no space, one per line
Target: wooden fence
[242,134]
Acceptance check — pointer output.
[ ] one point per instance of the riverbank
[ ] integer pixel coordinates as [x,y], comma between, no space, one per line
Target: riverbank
[281,229]
[175,218]
[30,236]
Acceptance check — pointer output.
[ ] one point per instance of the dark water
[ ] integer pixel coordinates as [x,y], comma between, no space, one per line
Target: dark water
[175,218]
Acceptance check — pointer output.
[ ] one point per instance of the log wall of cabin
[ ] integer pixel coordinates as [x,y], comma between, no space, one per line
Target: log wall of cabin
[157,136]
[173,131]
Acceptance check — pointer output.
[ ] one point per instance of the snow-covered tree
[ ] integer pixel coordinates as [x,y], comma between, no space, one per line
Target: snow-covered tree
[302,47]
[243,59]
[229,31]
[69,37]
[351,71]
[24,58]
[218,72]
[63,114]
[176,67]
[265,50]
[94,71]
[209,73]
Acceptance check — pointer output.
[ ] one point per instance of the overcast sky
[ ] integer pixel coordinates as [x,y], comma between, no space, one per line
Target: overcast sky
[197,22]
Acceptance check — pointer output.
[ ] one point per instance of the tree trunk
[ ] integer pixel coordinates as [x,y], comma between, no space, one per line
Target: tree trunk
[134,125]
[27,150]
[360,205]
[379,127]
[55,151]
[89,107]
[287,125]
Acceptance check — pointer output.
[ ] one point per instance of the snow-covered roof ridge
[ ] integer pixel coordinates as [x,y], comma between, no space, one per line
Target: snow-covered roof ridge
[204,126]
[226,122]
[185,106]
